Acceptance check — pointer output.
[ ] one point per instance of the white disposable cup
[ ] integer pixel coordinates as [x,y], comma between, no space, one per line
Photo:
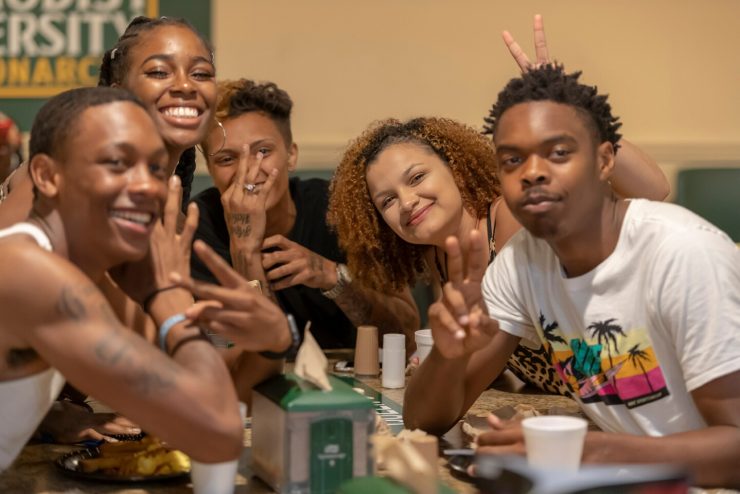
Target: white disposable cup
[216,478]
[394,361]
[213,478]
[424,343]
[554,442]
[243,409]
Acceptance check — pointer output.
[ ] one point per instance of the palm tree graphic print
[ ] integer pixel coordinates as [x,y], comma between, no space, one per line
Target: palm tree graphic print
[598,369]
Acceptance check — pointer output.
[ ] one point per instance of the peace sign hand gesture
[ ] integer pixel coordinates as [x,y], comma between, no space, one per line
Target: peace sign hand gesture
[234,309]
[459,320]
[244,201]
[540,47]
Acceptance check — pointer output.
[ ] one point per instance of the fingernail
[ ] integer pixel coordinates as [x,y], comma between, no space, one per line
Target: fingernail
[459,334]
[464,320]
[175,277]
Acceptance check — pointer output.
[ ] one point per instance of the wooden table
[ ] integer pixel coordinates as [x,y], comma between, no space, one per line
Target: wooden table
[34,471]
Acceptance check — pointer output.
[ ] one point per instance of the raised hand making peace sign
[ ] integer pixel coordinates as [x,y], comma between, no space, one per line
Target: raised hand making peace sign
[459,320]
[542,56]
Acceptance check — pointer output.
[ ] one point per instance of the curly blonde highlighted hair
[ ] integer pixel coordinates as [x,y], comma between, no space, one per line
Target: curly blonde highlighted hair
[376,256]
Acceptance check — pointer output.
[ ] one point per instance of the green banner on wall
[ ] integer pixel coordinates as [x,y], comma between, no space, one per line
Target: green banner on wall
[49,46]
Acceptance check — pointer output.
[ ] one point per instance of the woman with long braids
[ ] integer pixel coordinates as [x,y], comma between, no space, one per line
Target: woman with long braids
[169,66]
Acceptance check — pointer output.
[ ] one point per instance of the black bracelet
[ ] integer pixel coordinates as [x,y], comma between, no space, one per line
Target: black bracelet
[200,336]
[150,298]
[295,343]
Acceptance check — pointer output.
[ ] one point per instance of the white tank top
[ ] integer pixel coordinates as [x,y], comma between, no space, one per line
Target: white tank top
[24,402]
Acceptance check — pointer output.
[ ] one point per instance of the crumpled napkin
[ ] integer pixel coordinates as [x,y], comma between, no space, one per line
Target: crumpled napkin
[405,465]
[311,363]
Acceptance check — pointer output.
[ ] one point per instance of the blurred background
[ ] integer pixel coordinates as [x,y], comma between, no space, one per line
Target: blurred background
[670,66]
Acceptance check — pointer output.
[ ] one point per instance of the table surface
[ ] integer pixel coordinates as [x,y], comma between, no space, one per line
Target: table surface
[34,470]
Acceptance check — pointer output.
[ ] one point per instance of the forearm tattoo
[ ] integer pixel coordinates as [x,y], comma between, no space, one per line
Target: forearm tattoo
[368,307]
[241,225]
[115,348]
[239,261]
[355,305]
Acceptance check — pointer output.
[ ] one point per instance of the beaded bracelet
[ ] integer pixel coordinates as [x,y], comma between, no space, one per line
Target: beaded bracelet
[166,326]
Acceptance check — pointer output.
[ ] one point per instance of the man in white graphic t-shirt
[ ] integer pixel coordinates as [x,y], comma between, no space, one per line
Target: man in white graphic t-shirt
[637,303]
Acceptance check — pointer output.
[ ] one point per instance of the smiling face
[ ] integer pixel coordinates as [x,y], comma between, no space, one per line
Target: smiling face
[111,184]
[170,70]
[415,193]
[553,171]
[263,136]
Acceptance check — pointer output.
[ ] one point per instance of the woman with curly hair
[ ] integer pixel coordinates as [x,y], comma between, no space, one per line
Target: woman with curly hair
[402,188]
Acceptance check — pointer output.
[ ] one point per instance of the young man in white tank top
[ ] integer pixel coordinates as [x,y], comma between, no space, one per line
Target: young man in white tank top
[98,168]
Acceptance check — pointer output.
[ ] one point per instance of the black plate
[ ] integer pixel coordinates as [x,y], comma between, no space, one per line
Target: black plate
[459,464]
[69,464]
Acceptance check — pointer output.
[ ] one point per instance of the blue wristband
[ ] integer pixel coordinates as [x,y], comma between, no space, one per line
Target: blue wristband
[166,326]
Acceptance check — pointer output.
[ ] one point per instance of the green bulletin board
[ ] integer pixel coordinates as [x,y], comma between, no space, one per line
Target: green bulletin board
[49,46]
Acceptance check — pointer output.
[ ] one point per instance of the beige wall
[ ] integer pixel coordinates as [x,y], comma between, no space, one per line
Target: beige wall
[671,66]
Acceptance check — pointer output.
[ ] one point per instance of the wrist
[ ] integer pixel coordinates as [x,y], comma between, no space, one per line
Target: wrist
[246,260]
[295,342]
[173,301]
[176,329]
[343,281]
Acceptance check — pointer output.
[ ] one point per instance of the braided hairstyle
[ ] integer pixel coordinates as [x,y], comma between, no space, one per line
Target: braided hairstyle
[551,83]
[377,257]
[115,66]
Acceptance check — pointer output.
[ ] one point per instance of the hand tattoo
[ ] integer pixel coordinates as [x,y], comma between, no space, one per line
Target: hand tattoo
[315,263]
[240,224]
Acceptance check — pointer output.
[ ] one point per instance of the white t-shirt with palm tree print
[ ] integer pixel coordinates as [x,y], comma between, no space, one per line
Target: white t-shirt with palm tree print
[632,338]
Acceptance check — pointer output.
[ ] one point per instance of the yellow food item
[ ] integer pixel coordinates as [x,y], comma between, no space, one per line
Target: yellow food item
[146,457]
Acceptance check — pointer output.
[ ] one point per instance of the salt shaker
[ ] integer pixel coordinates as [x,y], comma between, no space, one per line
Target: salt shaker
[394,360]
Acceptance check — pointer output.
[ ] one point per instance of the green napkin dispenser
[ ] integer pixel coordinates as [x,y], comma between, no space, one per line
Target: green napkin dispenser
[308,440]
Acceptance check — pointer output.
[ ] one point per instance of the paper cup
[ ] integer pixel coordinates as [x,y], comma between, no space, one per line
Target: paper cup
[213,478]
[554,442]
[366,351]
[216,478]
[424,343]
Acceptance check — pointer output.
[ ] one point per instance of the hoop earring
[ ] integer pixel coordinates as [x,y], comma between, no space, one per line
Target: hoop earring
[223,143]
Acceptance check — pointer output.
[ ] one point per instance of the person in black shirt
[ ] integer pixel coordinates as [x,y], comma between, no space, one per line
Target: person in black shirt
[273,229]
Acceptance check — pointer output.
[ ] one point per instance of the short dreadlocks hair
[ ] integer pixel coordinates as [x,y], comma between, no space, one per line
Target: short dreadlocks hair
[551,83]
[376,256]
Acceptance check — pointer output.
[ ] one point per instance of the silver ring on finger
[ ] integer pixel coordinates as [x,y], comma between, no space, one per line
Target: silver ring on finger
[250,188]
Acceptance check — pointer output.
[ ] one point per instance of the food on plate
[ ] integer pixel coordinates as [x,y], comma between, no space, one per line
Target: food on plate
[147,457]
